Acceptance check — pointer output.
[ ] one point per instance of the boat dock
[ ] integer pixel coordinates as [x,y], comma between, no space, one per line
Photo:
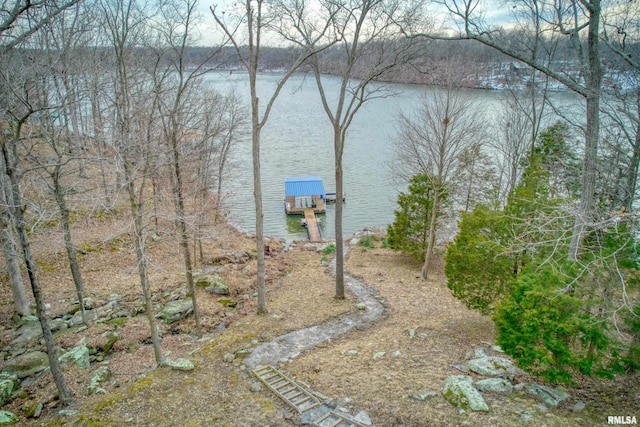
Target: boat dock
[305,195]
[312,222]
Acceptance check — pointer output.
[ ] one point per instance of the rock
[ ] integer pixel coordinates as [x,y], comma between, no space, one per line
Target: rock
[32,411]
[67,412]
[396,353]
[352,352]
[459,391]
[28,334]
[492,366]
[579,406]
[550,396]
[363,418]
[228,302]
[111,338]
[175,310]
[77,317]
[496,385]
[460,367]
[7,418]
[27,364]
[228,357]
[78,355]
[361,306]
[101,375]
[255,387]
[215,269]
[6,388]
[379,354]
[479,353]
[180,364]
[213,283]
[240,354]
[423,395]
[58,324]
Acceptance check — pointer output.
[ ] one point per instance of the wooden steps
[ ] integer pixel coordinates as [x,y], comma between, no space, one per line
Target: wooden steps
[286,389]
[303,401]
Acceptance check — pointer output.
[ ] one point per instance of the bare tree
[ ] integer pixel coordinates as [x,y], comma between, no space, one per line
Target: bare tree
[245,29]
[10,251]
[431,142]
[21,19]
[12,175]
[175,87]
[124,22]
[577,23]
[368,47]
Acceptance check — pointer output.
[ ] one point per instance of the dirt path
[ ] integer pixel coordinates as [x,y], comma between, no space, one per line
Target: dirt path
[286,347]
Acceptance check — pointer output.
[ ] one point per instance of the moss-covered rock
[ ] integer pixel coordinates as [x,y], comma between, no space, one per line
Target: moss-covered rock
[175,310]
[7,418]
[459,391]
[27,364]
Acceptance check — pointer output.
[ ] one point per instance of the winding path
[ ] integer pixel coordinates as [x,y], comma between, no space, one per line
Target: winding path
[292,344]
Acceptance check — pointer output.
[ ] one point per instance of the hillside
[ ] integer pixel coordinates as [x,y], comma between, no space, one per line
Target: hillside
[425,337]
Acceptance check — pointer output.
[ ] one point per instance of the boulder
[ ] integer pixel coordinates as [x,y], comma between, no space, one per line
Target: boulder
[28,334]
[101,375]
[228,302]
[111,338]
[58,324]
[213,283]
[179,364]
[7,386]
[176,310]
[496,385]
[27,364]
[78,355]
[77,317]
[550,396]
[7,418]
[459,391]
[493,366]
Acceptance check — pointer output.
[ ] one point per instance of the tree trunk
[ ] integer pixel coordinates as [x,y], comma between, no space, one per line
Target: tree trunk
[257,195]
[68,245]
[20,299]
[632,170]
[338,148]
[143,262]
[178,201]
[17,204]
[432,232]
[593,79]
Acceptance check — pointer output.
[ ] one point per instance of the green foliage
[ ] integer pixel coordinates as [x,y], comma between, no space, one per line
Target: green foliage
[543,324]
[559,160]
[551,315]
[367,242]
[330,249]
[478,272]
[409,231]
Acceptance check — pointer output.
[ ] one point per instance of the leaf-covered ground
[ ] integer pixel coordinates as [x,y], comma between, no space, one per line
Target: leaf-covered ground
[300,294]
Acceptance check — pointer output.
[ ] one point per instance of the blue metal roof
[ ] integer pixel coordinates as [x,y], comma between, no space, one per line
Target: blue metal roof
[303,186]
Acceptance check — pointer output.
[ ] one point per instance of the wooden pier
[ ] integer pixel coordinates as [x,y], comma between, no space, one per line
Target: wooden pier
[298,207]
[313,225]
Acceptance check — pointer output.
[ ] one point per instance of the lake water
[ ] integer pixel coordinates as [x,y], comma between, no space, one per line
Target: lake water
[297,141]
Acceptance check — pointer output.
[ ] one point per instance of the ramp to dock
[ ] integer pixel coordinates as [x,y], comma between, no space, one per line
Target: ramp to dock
[313,225]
